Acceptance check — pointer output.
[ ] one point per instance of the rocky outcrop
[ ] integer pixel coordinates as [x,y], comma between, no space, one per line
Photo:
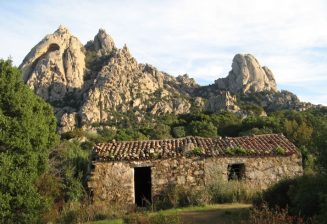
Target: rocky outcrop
[103,44]
[222,102]
[55,66]
[123,85]
[96,82]
[274,101]
[68,122]
[247,76]
[90,84]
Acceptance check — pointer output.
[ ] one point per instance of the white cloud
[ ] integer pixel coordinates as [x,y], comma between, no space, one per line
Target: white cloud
[178,36]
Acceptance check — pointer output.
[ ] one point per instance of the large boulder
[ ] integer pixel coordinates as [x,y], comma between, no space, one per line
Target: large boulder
[247,76]
[225,101]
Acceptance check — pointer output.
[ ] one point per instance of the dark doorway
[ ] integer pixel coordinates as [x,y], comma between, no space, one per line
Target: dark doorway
[142,184]
[236,171]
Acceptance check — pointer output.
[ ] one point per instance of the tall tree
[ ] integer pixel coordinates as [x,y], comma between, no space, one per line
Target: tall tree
[27,133]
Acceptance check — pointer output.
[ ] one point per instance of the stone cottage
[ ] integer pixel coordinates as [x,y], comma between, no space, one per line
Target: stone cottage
[132,172]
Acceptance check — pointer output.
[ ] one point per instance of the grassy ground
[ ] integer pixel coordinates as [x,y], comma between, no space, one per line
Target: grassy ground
[209,214]
[222,214]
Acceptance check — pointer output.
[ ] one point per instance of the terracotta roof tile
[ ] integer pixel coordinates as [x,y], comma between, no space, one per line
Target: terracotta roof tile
[257,145]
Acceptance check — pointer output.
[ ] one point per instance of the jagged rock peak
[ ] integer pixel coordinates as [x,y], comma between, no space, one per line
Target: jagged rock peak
[185,79]
[62,30]
[114,82]
[103,43]
[247,76]
[55,66]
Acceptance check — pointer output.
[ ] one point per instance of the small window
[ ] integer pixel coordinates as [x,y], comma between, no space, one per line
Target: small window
[236,171]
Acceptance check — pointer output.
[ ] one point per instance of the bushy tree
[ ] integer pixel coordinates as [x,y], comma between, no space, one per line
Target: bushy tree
[320,142]
[179,132]
[160,131]
[203,128]
[27,133]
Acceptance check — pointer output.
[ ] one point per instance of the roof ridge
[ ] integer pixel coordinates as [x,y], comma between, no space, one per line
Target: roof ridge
[260,135]
[190,137]
[255,145]
[160,140]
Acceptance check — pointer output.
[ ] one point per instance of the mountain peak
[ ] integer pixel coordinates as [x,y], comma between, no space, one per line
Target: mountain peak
[62,30]
[92,83]
[103,42]
[247,75]
[55,65]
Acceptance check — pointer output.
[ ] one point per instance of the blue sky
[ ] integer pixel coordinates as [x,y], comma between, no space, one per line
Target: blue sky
[186,36]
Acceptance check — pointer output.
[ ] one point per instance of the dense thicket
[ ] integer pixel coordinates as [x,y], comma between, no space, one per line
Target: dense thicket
[27,133]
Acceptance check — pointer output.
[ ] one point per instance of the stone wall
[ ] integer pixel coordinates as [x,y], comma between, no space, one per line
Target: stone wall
[260,172]
[188,172]
[113,182]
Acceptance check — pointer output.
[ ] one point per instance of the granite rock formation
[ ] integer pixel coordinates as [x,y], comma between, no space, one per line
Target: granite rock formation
[55,66]
[93,83]
[247,76]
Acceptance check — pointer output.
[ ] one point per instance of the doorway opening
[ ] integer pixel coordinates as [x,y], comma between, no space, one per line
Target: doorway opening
[142,185]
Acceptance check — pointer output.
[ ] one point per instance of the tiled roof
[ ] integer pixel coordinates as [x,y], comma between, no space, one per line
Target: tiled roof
[257,145]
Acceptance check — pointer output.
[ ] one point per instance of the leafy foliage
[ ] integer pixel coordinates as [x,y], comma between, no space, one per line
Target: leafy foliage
[27,133]
[197,151]
[279,150]
[203,128]
[70,165]
[304,196]
[238,150]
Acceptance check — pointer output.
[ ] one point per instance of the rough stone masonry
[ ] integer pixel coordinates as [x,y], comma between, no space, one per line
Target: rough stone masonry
[192,162]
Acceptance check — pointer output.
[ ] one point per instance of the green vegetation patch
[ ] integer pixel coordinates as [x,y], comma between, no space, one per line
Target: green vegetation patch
[239,150]
[197,151]
[279,150]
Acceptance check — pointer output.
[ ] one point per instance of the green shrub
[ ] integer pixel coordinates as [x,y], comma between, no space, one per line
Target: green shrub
[203,128]
[27,135]
[277,195]
[322,216]
[87,145]
[308,160]
[304,196]
[239,150]
[76,133]
[197,151]
[179,132]
[307,195]
[70,162]
[279,150]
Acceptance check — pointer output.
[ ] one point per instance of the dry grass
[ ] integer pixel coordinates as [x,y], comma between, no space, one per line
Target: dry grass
[266,215]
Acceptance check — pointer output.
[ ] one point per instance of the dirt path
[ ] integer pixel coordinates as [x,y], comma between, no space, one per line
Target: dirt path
[229,214]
